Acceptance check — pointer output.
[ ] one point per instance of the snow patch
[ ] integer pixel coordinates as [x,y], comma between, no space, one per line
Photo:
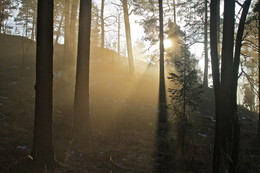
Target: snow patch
[203,135]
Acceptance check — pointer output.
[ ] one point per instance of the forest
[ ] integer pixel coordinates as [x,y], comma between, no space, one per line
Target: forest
[129,86]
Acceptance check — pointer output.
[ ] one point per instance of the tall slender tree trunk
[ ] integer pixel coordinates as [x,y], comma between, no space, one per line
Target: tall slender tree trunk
[216,83]
[1,12]
[218,27]
[43,153]
[34,23]
[102,24]
[81,100]
[184,96]
[2,25]
[118,33]
[226,82]
[258,132]
[128,38]
[163,159]
[184,110]
[205,75]
[236,62]
[26,24]
[33,28]
[73,21]
[227,132]
[67,31]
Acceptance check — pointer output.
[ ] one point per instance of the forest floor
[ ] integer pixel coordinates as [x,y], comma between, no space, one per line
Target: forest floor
[123,127]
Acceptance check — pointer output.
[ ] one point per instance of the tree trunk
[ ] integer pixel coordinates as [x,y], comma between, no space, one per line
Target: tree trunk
[226,75]
[128,38]
[43,153]
[33,28]
[216,82]
[258,131]
[184,97]
[218,27]
[118,33]
[1,19]
[102,24]
[81,100]
[163,155]
[73,39]
[67,32]
[227,124]
[26,23]
[205,77]
[236,125]
[225,102]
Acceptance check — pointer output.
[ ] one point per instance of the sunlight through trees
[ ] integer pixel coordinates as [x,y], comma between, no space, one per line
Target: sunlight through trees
[129,86]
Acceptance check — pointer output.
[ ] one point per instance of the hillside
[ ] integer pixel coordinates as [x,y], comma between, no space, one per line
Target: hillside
[123,115]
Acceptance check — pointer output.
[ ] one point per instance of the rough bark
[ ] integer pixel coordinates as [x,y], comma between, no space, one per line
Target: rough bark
[81,100]
[128,38]
[43,153]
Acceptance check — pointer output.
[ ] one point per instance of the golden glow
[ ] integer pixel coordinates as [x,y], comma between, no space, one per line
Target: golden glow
[168,43]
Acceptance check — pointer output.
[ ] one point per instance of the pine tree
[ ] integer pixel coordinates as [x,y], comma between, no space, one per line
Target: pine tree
[186,94]
[6,9]
[27,17]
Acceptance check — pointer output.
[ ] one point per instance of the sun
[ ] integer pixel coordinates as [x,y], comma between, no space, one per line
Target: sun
[167,43]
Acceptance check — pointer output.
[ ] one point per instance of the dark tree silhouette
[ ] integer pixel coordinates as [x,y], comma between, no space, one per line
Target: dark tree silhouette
[257,9]
[206,65]
[227,130]
[81,100]
[42,152]
[184,98]
[163,155]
